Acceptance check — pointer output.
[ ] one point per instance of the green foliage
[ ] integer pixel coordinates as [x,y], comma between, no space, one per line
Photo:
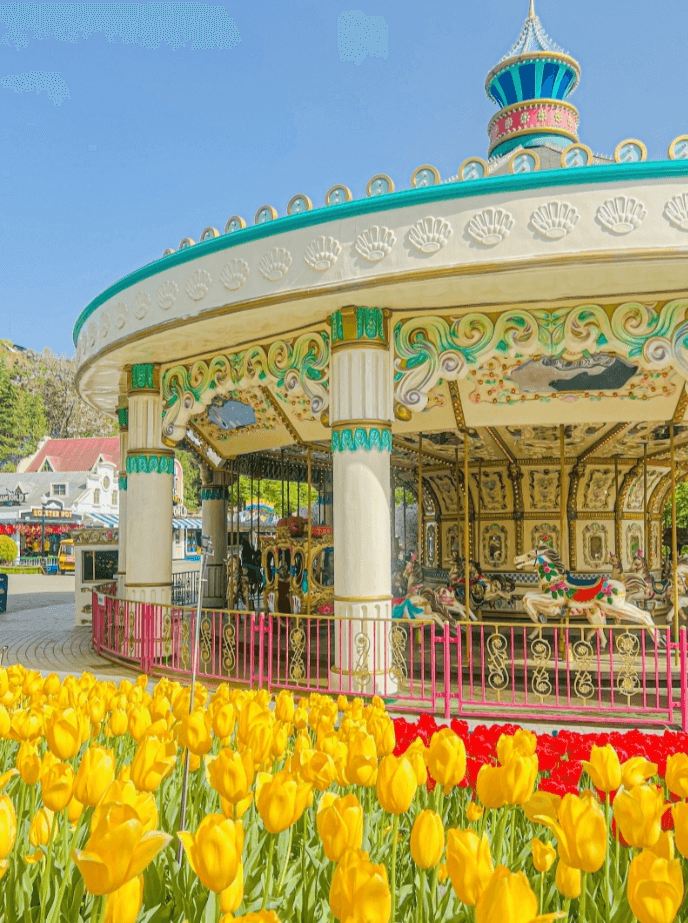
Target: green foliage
[8,549]
[192,480]
[681,507]
[22,420]
[272,492]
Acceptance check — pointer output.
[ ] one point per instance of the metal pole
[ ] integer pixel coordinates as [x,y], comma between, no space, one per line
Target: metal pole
[674,540]
[419,539]
[310,523]
[250,503]
[479,511]
[403,487]
[282,480]
[562,501]
[466,536]
[232,555]
[646,531]
[458,509]
[288,513]
[616,506]
[206,552]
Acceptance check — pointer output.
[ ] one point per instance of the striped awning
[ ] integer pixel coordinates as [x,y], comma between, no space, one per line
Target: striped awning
[108,519]
[112,520]
[188,522]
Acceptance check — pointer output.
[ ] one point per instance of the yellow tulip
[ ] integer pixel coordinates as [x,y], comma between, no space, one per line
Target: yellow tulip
[235,811]
[118,722]
[360,890]
[581,832]
[5,724]
[51,684]
[361,760]
[416,754]
[124,792]
[117,850]
[39,830]
[124,904]
[637,770]
[664,847]
[396,784]
[638,814]
[260,916]
[260,739]
[544,855]
[519,776]
[8,826]
[680,815]
[28,762]
[231,897]
[300,720]
[381,727]
[280,740]
[469,864]
[214,851]
[427,839]
[57,785]
[446,759]
[63,733]
[194,733]
[522,743]
[542,804]
[74,810]
[223,720]
[95,773]
[317,768]
[96,709]
[568,881]
[159,708]
[139,721]
[153,761]
[474,812]
[26,724]
[676,776]
[489,788]
[284,707]
[231,774]
[250,713]
[509,898]
[603,768]
[655,888]
[340,824]
[281,801]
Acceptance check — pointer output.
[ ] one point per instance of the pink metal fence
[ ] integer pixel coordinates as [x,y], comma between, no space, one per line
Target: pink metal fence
[628,675]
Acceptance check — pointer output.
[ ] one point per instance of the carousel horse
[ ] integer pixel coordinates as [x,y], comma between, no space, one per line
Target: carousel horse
[250,562]
[484,589]
[237,584]
[595,597]
[425,601]
[682,581]
[639,582]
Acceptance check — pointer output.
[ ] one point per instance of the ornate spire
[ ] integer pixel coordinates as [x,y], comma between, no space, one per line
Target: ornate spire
[531,14]
[533,38]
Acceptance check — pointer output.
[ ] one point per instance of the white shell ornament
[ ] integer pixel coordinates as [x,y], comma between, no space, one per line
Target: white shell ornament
[234,274]
[322,253]
[375,243]
[676,212]
[622,214]
[490,226]
[104,324]
[121,312]
[554,220]
[275,264]
[142,303]
[92,334]
[198,284]
[167,293]
[430,234]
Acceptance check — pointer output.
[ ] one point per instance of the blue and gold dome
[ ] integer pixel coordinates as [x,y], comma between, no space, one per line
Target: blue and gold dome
[530,85]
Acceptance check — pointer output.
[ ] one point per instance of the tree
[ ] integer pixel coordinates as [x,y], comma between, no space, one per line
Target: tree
[192,479]
[8,549]
[7,417]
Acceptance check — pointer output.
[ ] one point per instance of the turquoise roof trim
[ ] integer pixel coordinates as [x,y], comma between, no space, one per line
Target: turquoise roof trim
[577,176]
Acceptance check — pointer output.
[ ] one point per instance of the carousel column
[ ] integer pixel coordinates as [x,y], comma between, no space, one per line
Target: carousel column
[122,415]
[214,497]
[361,408]
[150,468]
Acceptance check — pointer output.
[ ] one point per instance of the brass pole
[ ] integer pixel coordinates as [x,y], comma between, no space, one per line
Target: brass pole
[674,540]
[310,522]
[466,538]
[231,520]
[479,511]
[562,501]
[616,506]
[646,535]
[420,498]
[458,510]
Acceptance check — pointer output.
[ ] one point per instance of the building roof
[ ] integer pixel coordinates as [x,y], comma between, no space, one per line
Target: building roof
[37,485]
[533,38]
[75,454]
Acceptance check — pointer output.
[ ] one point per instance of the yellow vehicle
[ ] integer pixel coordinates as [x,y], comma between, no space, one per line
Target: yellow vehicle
[65,556]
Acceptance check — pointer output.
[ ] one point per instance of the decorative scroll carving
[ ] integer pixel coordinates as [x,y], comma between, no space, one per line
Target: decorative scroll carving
[595,545]
[301,366]
[431,348]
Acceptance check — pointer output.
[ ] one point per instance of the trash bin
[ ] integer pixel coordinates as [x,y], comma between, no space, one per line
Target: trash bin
[3,592]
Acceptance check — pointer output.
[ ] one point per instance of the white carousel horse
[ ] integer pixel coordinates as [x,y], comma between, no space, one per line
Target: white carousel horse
[682,581]
[595,597]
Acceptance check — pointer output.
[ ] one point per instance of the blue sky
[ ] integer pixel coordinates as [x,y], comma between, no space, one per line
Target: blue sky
[152,144]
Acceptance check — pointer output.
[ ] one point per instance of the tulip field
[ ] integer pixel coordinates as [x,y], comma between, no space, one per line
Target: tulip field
[323,809]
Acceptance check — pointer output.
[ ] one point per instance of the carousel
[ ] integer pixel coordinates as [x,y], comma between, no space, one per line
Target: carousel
[508,346]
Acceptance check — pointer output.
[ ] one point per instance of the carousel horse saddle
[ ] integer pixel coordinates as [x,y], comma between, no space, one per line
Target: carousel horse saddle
[583,581]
